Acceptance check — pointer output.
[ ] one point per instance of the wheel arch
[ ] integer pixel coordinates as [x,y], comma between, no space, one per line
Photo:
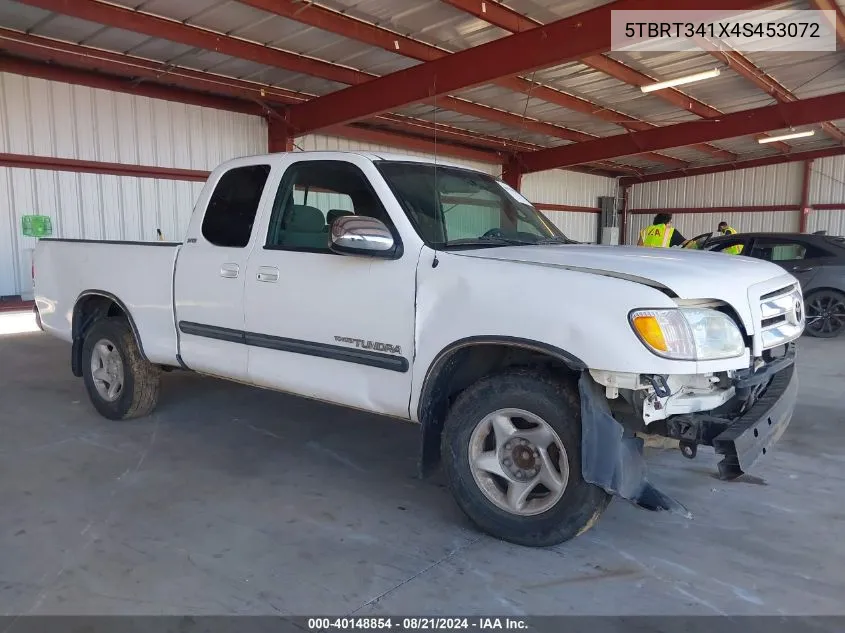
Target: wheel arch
[90,306]
[463,362]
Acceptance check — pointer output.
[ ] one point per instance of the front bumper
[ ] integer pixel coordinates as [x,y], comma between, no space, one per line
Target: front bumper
[751,435]
[743,440]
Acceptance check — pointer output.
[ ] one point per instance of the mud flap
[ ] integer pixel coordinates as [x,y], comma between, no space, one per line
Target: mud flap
[613,459]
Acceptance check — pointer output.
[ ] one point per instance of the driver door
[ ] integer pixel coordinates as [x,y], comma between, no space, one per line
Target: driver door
[338,328]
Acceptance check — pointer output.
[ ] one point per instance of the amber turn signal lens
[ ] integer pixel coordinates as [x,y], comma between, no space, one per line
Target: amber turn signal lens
[649,329]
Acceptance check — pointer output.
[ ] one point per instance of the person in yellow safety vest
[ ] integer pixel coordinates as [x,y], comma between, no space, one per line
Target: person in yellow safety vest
[661,233]
[726,229]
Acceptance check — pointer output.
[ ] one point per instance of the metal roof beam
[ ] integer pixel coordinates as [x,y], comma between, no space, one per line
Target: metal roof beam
[831,5]
[509,20]
[346,26]
[756,120]
[63,74]
[154,26]
[744,67]
[555,43]
[50,50]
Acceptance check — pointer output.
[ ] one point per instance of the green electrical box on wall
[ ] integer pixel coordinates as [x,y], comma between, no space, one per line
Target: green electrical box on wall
[36,225]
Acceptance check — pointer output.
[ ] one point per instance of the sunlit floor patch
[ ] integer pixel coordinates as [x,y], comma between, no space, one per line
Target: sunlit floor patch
[17,323]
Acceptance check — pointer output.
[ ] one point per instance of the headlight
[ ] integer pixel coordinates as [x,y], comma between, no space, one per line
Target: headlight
[688,333]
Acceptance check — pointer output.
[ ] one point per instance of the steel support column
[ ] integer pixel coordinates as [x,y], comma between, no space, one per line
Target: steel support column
[805,196]
[512,173]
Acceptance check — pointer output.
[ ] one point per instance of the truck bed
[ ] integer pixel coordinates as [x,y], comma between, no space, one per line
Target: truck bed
[139,275]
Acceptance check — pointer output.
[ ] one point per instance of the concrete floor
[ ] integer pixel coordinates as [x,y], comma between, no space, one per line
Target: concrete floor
[241,501]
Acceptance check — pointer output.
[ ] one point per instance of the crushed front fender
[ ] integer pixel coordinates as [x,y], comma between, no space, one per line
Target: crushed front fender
[612,458]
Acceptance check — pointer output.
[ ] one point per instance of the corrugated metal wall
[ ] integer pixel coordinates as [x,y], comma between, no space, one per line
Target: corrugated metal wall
[567,187]
[827,184]
[764,186]
[773,185]
[46,118]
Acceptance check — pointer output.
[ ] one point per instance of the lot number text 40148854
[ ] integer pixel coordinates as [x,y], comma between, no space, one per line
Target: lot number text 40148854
[417,623]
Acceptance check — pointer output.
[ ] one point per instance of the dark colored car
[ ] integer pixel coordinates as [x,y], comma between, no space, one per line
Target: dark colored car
[817,261]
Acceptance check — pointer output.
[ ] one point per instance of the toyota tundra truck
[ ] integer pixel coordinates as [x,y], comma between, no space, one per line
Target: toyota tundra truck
[438,295]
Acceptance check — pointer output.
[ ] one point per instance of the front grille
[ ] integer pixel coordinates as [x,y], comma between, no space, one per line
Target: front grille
[782,316]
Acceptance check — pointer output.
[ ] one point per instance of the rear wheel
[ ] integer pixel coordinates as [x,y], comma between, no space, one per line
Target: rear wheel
[825,314]
[512,451]
[120,383]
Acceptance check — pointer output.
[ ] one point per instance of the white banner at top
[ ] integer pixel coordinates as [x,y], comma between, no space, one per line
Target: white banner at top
[785,30]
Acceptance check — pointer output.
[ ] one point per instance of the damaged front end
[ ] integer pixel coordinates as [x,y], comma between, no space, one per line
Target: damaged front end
[741,414]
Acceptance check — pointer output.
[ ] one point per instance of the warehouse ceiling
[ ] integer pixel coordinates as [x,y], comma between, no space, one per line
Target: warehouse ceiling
[498,82]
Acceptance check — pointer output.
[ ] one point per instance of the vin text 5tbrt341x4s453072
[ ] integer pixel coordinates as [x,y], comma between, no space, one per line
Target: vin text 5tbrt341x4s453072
[439,295]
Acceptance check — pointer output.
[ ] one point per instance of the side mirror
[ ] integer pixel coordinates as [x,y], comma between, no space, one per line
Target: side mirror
[362,235]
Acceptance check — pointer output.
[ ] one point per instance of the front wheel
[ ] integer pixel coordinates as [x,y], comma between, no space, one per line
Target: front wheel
[120,382]
[825,314]
[512,452]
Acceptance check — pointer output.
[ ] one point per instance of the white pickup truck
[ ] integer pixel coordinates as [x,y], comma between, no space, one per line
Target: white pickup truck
[439,295]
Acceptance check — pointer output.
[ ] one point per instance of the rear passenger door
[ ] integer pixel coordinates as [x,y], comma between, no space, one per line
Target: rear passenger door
[210,273]
[333,327]
[799,258]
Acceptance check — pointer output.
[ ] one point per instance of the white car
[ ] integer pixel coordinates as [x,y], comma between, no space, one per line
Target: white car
[439,295]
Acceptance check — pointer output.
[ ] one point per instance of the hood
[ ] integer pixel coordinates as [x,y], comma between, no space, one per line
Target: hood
[686,274]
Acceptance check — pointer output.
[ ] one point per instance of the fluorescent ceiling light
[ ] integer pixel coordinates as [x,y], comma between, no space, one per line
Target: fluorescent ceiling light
[784,137]
[680,81]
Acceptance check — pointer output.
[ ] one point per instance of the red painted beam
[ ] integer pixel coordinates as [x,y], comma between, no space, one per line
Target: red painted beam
[412,143]
[546,206]
[735,209]
[341,24]
[743,164]
[27,161]
[170,93]
[514,22]
[50,50]
[154,26]
[46,49]
[831,5]
[765,119]
[558,42]
[105,82]
[746,68]
[837,206]
[806,174]
[512,173]
[359,30]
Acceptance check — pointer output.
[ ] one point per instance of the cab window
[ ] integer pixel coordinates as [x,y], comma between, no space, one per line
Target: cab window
[311,196]
[232,207]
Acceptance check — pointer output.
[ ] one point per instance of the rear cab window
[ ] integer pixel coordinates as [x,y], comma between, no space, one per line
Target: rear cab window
[232,207]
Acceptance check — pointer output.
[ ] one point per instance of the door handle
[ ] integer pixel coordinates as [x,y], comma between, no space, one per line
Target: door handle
[802,269]
[230,271]
[268,273]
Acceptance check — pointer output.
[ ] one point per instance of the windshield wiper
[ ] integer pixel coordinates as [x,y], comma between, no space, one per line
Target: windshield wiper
[490,240]
[556,240]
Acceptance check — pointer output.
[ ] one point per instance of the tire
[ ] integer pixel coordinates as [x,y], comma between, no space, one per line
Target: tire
[825,313]
[138,389]
[547,518]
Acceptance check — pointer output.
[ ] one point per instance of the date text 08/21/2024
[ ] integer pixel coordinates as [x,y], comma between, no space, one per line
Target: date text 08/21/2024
[416,624]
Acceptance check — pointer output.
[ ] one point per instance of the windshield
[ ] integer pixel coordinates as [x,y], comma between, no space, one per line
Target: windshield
[458,208]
